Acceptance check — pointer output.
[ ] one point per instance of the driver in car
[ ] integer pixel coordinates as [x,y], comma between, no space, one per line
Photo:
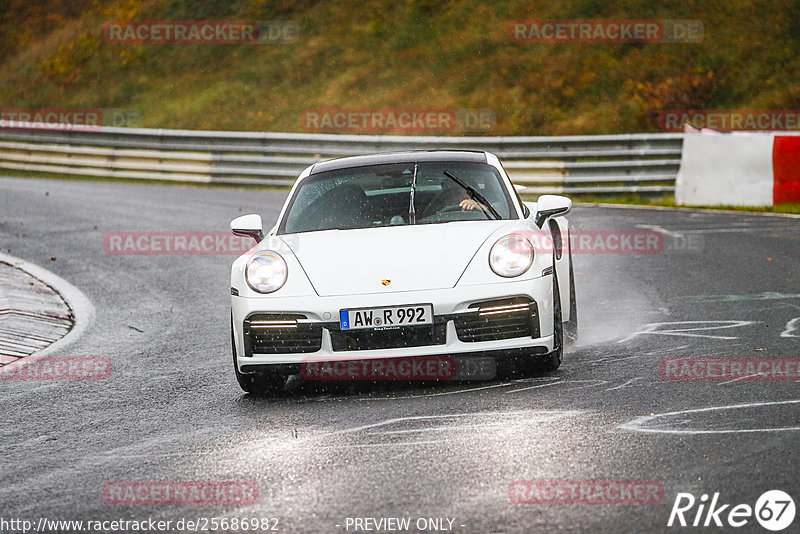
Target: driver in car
[468,205]
[450,195]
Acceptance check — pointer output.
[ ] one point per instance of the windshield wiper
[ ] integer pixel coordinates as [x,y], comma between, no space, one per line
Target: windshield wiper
[474,195]
[412,213]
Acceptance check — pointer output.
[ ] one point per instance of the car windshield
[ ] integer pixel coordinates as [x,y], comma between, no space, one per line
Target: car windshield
[380,195]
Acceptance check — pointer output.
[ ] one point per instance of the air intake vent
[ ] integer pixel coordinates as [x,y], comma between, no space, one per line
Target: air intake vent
[269,333]
[389,338]
[499,319]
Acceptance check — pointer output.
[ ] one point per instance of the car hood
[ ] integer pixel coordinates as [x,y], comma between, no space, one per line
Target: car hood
[388,259]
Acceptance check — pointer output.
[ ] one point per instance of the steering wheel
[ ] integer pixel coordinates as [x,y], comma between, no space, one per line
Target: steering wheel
[455,213]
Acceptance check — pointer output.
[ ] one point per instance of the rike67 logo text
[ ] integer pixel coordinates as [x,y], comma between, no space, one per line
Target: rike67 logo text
[774,510]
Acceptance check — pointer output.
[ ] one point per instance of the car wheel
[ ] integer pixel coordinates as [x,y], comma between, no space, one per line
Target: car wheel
[571,328]
[552,361]
[531,364]
[256,384]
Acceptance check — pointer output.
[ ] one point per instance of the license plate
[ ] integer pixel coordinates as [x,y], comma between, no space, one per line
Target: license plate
[360,318]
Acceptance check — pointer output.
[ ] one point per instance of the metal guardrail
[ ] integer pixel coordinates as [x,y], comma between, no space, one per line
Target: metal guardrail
[641,163]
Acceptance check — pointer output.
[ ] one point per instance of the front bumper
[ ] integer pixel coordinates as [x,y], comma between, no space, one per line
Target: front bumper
[453,308]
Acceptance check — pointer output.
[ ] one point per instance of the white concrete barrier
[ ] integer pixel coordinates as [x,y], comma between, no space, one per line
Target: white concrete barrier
[726,170]
[739,169]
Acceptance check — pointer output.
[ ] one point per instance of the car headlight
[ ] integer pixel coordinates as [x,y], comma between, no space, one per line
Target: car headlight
[511,256]
[266,271]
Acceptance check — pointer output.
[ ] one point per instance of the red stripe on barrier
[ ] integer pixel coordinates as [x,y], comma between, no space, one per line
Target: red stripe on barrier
[786,169]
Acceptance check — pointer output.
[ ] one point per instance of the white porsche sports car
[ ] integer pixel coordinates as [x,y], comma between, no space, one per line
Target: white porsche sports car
[402,255]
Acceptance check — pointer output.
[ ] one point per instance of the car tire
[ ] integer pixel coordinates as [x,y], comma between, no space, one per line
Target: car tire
[531,364]
[571,328]
[552,361]
[260,384]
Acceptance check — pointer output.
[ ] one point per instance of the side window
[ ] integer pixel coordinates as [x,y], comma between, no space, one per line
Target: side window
[526,211]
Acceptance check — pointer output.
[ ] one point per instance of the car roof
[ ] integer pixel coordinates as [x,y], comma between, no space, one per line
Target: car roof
[416,156]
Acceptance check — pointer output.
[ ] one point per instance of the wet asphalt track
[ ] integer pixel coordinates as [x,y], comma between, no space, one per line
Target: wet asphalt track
[172,411]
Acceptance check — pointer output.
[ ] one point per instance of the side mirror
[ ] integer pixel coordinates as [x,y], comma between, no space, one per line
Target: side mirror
[551,206]
[248,226]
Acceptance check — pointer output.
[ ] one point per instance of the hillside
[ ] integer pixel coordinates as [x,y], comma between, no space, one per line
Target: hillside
[408,55]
